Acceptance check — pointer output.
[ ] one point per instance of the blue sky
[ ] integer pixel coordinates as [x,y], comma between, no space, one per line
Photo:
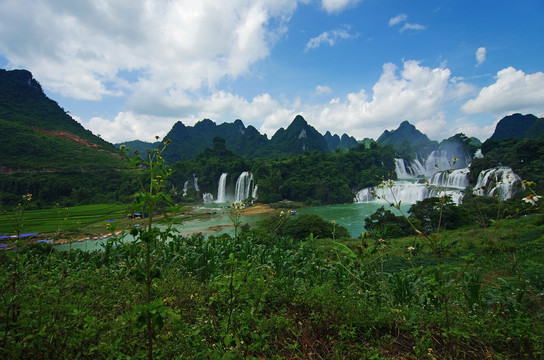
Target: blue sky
[129,69]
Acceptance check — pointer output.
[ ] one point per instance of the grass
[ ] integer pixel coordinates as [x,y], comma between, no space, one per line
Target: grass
[50,221]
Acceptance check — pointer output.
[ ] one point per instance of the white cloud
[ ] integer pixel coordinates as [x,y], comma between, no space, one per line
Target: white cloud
[397,19]
[402,19]
[128,125]
[332,6]
[473,129]
[415,93]
[328,37]
[82,47]
[480,55]
[409,26]
[513,91]
[322,89]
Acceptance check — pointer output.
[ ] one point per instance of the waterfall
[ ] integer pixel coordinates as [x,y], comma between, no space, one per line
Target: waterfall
[400,169]
[207,198]
[222,189]
[451,179]
[364,196]
[406,192]
[254,193]
[243,186]
[185,185]
[406,169]
[195,183]
[500,181]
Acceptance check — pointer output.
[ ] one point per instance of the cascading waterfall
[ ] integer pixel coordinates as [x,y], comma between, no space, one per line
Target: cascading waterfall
[207,198]
[500,181]
[244,187]
[455,179]
[195,183]
[406,169]
[254,192]
[409,190]
[222,189]
[185,186]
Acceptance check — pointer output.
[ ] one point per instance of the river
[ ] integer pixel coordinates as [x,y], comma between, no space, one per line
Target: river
[214,220]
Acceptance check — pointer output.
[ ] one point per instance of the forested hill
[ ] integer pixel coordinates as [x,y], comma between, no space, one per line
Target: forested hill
[22,101]
[407,140]
[298,137]
[40,141]
[518,126]
[37,134]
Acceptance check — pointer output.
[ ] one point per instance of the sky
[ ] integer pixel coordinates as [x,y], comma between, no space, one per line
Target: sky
[130,69]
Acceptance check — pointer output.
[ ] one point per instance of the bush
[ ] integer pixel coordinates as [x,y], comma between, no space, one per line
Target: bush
[303,226]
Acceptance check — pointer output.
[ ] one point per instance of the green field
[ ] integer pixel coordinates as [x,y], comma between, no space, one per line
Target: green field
[56,220]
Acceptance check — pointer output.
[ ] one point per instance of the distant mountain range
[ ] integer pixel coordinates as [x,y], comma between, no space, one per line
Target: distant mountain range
[298,137]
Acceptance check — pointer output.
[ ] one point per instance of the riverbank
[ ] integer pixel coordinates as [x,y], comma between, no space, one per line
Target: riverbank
[98,230]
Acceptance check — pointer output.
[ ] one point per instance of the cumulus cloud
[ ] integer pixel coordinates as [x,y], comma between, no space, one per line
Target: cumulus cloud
[219,106]
[181,44]
[413,92]
[332,6]
[416,93]
[480,56]
[513,91]
[403,19]
[328,37]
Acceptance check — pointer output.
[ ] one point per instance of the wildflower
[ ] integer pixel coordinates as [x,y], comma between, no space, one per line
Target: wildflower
[334,221]
[156,137]
[381,241]
[531,199]
[282,214]
[411,248]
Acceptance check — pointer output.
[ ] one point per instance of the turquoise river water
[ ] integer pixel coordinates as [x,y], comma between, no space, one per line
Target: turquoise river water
[215,221]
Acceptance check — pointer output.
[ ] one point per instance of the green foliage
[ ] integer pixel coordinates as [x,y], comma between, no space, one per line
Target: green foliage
[248,296]
[383,223]
[434,212]
[311,177]
[300,227]
[47,153]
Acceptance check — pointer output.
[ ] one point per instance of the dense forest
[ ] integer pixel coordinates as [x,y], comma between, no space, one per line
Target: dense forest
[312,177]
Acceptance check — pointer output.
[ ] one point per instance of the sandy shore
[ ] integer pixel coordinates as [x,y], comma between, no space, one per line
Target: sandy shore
[257,209]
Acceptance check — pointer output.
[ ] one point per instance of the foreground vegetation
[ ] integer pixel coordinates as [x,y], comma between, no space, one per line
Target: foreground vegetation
[273,296]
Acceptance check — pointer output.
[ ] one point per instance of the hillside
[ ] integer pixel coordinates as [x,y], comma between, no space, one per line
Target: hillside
[518,126]
[408,141]
[38,135]
[40,140]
